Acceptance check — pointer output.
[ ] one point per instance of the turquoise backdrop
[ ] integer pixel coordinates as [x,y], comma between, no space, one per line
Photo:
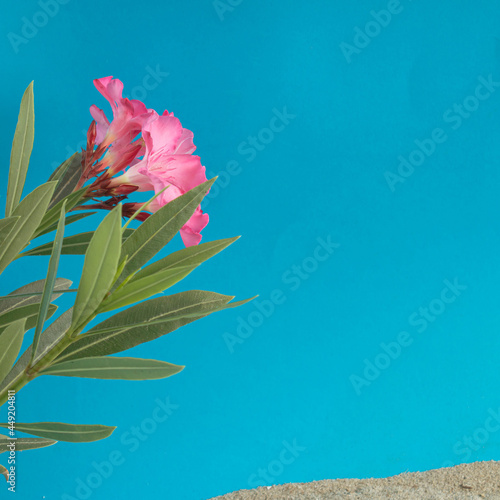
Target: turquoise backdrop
[358,149]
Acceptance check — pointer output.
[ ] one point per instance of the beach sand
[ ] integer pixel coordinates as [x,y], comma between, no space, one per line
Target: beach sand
[478,480]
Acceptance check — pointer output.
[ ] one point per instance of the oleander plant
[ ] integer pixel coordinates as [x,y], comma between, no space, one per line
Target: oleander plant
[138,150]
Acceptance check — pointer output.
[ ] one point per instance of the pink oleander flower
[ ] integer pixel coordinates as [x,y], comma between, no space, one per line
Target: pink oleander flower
[161,157]
[168,161]
[128,115]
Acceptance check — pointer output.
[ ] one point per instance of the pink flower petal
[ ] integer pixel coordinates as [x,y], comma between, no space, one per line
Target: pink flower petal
[163,157]
[190,232]
[133,176]
[162,134]
[189,238]
[185,144]
[129,116]
[111,89]
[102,123]
[184,171]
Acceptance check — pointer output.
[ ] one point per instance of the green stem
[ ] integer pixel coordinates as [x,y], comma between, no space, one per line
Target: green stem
[32,372]
[143,207]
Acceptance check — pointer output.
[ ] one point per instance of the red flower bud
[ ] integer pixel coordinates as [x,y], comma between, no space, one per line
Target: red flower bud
[123,189]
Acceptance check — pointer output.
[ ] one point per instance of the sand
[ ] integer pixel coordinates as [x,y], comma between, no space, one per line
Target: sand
[478,480]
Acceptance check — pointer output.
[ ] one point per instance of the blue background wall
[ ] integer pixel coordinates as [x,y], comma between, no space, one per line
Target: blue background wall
[312,373]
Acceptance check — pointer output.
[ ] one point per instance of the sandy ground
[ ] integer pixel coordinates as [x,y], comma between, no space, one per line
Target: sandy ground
[467,481]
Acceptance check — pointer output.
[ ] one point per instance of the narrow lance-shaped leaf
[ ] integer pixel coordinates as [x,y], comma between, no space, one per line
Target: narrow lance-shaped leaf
[4,472]
[145,322]
[23,312]
[35,294]
[105,367]
[59,172]
[144,288]
[23,444]
[21,150]
[156,231]
[31,320]
[6,226]
[164,273]
[69,220]
[190,256]
[65,432]
[50,280]
[52,215]
[10,345]
[67,174]
[30,294]
[99,268]
[76,244]
[31,211]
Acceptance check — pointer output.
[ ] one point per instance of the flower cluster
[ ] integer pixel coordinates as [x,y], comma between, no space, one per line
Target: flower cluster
[140,150]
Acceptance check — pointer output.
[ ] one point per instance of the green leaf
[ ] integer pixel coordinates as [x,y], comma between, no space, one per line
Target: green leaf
[144,288]
[50,280]
[145,322]
[23,312]
[30,323]
[105,367]
[21,150]
[67,174]
[23,444]
[32,294]
[53,335]
[69,220]
[48,340]
[10,345]
[65,432]
[4,472]
[31,211]
[59,172]
[72,245]
[6,226]
[158,229]
[53,214]
[99,268]
[190,256]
